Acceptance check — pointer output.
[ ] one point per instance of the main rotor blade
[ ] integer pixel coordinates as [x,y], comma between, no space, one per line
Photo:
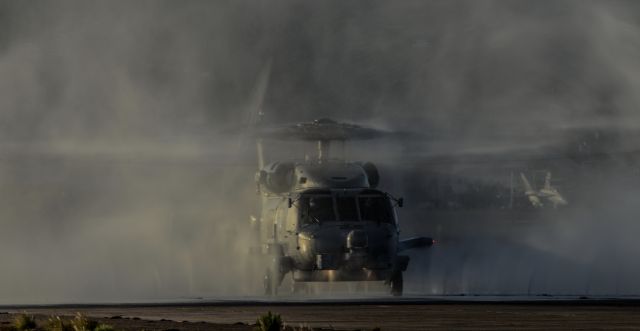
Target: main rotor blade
[108,152]
[320,129]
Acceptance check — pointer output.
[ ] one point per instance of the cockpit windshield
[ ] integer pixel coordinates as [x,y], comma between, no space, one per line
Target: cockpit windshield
[375,209]
[347,209]
[316,209]
[370,207]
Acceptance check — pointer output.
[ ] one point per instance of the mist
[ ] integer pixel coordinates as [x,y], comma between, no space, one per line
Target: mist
[125,174]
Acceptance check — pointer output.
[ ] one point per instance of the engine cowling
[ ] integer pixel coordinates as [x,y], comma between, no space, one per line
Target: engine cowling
[277,177]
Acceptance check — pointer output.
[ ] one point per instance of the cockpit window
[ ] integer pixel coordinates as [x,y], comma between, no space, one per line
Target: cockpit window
[316,209]
[347,209]
[376,209]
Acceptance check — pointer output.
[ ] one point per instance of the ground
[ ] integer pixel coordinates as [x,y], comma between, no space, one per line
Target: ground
[366,315]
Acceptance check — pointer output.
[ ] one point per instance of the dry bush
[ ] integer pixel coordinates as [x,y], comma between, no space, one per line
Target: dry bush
[269,322]
[24,322]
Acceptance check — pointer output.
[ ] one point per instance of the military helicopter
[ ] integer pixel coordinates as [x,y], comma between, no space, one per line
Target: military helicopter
[548,192]
[322,219]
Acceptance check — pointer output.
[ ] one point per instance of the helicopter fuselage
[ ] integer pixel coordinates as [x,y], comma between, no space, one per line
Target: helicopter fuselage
[325,222]
[338,234]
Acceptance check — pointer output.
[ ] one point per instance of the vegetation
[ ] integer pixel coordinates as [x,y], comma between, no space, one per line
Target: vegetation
[81,323]
[24,322]
[269,322]
[300,328]
[55,323]
[104,327]
[78,323]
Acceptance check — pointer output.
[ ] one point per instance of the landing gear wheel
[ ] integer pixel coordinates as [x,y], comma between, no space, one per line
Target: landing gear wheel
[396,284]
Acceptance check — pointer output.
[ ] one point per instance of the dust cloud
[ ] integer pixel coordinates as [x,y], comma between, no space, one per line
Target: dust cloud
[124,174]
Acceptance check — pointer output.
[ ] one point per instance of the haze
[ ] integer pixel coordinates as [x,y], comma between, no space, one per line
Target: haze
[124,166]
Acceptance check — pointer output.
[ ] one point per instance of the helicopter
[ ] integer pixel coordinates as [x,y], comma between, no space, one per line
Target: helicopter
[322,219]
[548,192]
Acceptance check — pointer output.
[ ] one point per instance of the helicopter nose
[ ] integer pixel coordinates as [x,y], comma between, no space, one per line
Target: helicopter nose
[357,239]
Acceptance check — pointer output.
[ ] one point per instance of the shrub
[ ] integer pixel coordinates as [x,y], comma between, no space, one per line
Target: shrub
[269,322]
[55,323]
[104,327]
[24,322]
[81,323]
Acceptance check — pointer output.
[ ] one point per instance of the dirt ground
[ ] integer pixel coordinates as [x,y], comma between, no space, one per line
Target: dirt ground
[396,317]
